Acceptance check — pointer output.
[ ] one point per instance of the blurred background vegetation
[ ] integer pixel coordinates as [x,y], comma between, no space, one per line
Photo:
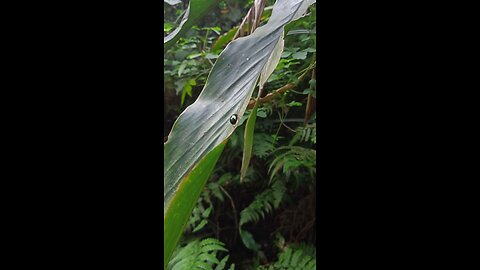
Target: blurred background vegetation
[270,217]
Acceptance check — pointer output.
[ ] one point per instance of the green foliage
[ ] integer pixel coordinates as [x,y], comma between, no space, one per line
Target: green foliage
[263,204]
[186,87]
[292,157]
[282,167]
[200,214]
[199,217]
[263,145]
[294,258]
[200,255]
[178,206]
[305,134]
[195,11]
[223,40]
[248,141]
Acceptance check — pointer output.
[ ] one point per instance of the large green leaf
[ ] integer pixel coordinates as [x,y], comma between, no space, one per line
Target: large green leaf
[181,206]
[198,135]
[196,10]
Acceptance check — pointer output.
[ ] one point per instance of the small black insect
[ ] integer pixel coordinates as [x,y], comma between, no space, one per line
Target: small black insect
[233,119]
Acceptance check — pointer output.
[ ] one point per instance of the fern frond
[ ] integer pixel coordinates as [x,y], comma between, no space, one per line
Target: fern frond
[305,134]
[263,145]
[294,158]
[300,258]
[199,255]
[199,217]
[264,203]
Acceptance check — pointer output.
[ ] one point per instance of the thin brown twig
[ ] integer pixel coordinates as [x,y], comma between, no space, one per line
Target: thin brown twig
[252,19]
[271,96]
[291,129]
[234,213]
[279,91]
[308,226]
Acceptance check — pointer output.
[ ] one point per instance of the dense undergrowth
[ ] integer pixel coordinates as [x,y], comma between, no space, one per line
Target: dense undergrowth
[268,220]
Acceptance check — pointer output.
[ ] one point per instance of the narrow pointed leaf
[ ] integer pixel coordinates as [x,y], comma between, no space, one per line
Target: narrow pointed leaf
[248,141]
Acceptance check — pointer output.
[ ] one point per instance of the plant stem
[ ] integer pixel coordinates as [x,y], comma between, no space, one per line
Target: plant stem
[234,213]
[280,90]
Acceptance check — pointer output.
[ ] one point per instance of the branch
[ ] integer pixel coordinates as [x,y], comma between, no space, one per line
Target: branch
[280,90]
[272,95]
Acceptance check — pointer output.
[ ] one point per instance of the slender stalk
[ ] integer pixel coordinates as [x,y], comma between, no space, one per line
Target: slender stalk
[234,213]
[280,90]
